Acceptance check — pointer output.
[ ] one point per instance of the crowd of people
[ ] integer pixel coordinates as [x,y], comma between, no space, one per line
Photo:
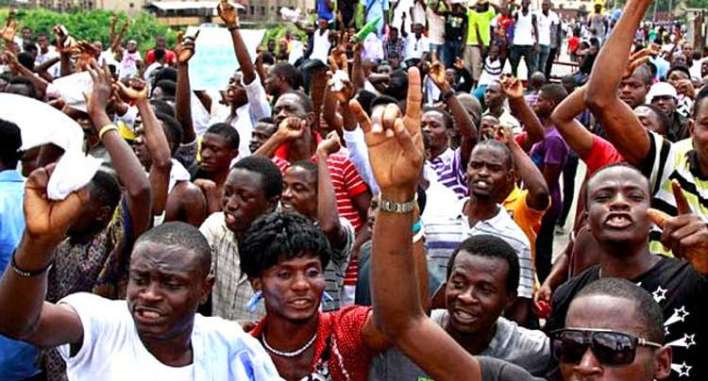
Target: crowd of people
[377,203]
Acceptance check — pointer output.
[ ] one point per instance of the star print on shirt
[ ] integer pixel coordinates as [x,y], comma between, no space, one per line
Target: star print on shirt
[686,341]
[683,369]
[659,295]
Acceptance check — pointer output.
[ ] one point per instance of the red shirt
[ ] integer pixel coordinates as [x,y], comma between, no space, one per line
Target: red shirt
[170,57]
[573,44]
[339,345]
[601,154]
[347,184]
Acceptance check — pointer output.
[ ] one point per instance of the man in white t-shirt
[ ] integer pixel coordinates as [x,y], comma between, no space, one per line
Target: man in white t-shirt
[131,61]
[525,43]
[155,334]
[416,43]
[547,22]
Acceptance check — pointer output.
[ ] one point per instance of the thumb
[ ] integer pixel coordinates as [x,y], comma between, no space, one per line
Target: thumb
[682,206]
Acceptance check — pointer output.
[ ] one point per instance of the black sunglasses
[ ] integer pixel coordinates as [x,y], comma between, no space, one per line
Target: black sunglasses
[609,348]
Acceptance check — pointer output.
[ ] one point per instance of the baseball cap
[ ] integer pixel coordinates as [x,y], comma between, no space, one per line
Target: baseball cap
[661,89]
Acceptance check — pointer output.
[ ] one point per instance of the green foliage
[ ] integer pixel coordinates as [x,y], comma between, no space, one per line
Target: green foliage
[94,25]
[278,32]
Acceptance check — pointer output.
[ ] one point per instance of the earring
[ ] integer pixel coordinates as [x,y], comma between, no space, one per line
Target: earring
[252,303]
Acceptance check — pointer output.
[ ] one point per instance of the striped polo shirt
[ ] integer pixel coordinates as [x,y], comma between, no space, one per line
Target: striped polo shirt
[451,173]
[678,161]
[443,236]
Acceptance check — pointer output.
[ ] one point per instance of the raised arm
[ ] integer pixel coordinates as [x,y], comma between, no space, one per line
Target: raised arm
[514,90]
[574,133]
[129,170]
[621,125]
[396,152]
[229,14]
[156,143]
[23,313]
[463,120]
[539,196]
[183,99]
[39,84]
[327,214]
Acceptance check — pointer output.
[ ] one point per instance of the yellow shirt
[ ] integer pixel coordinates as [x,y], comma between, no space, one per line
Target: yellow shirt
[528,219]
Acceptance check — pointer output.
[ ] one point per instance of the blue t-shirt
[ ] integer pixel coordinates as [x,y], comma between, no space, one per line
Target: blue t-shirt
[17,359]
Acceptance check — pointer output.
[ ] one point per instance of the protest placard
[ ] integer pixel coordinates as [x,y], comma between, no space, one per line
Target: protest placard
[214,61]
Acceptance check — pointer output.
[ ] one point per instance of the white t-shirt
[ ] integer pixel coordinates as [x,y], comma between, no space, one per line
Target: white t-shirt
[129,64]
[320,46]
[112,349]
[545,24]
[415,47]
[54,70]
[523,29]
[436,27]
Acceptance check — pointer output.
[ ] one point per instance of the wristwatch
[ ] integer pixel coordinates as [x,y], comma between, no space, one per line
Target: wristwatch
[397,207]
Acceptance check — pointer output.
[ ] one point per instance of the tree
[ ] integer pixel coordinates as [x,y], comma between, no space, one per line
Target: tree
[94,25]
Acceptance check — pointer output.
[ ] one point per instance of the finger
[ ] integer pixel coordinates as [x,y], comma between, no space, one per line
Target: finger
[657,217]
[682,206]
[685,231]
[415,95]
[360,115]
[390,115]
[405,139]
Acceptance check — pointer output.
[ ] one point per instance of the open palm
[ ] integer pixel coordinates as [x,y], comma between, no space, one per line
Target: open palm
[395,142]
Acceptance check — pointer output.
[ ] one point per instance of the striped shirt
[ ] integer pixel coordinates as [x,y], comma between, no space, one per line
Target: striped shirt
[668,161]
[231,289]
[451,173]
[336,270]
[442,237]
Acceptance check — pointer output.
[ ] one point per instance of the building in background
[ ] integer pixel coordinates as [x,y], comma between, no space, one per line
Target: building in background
[181,12]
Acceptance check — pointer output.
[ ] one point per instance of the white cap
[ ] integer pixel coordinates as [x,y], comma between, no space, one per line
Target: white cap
[661,89]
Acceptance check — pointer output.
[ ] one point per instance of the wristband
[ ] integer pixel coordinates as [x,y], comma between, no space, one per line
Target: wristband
[417,227]
[231,28]
[419,235]
[25,273]
[105,129]
[397,207]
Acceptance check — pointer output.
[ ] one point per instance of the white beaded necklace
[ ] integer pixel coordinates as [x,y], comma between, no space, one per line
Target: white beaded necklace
[294,353]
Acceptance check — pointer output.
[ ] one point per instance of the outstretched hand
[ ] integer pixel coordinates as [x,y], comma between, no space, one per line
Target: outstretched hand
[395,141]
[102,89]
[686,234]
[45,219]
[228,13]
[137,90]
[513,87]
[437,74]
[638,59]
[185,47]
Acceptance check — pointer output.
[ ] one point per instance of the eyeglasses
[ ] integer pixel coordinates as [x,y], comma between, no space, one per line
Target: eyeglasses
[610,348]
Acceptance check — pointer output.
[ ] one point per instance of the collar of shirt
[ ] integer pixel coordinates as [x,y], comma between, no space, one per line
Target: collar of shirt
[11,175]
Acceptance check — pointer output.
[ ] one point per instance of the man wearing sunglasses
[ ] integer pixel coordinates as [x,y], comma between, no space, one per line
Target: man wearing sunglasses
[618,202]
[614,331]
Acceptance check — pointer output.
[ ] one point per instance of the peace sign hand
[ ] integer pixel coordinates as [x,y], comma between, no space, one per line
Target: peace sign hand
[395,142]
[686,234]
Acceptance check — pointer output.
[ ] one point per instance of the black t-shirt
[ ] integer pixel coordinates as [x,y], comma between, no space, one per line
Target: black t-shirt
[500,370]
[681,292]
[455,25]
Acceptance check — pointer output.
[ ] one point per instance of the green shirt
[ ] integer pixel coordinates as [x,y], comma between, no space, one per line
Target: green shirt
[481,21]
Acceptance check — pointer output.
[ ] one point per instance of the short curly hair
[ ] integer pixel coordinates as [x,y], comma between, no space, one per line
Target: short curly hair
[281,236]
